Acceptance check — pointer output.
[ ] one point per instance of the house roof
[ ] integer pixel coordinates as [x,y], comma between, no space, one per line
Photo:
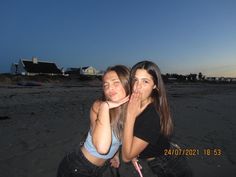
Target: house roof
[84,68]
[73,69]
[41,67]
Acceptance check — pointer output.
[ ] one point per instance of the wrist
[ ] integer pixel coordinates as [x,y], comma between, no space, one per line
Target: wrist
[130,117]
[129,122]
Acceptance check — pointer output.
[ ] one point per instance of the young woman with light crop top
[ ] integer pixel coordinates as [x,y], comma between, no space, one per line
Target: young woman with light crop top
[148,124]
[106,126]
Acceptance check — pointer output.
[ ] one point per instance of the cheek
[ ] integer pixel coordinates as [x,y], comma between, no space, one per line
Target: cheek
[134,86]
[122,92]
[105,93]
[147,91]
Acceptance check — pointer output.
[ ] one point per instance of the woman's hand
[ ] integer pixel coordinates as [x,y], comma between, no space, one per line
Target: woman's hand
[133,146]
[115,161]
[134,106]
[136,165]
[115,104]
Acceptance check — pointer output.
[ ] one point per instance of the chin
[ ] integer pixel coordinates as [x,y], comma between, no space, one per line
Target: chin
[112,99]
[116,99]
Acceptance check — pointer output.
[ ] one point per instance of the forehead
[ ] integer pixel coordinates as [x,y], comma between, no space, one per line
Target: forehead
[142,73]
[109,76]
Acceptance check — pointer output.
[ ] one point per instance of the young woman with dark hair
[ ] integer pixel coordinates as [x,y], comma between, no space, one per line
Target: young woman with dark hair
[148,126]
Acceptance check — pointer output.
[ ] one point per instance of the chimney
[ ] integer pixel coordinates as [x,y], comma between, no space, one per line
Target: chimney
[35,60]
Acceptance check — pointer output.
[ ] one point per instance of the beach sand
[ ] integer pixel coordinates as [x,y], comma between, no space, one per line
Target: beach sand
[40,124]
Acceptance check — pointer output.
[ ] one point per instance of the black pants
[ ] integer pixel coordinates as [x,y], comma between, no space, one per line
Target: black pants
[170,166]
[76,165]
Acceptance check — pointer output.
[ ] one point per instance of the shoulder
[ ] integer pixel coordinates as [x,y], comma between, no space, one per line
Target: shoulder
[96,105]
[148,118]
[149,112]
[94,111]
[147,125]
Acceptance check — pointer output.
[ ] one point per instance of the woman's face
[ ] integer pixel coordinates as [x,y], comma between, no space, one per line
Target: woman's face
[144,84]
[112,87]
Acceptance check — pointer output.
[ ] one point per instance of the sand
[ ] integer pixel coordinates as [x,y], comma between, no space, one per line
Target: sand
[40,124]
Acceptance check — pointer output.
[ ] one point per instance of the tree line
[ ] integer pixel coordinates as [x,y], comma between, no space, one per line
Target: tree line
[179,77]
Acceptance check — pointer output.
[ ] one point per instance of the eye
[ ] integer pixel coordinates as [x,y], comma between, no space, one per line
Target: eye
[105,86]
[134,79]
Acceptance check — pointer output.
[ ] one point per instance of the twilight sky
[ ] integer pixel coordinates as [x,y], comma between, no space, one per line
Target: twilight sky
[181,36]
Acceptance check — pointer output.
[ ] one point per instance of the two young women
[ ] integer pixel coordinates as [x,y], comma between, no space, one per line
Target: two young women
[145,133]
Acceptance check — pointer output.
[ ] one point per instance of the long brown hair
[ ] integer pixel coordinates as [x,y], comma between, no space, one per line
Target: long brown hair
[158,95]
[117,115]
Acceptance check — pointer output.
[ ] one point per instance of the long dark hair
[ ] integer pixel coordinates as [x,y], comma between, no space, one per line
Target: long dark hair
[117,115]
[158,95]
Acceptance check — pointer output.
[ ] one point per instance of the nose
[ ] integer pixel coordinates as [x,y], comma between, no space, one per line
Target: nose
[111,87]
[138,85]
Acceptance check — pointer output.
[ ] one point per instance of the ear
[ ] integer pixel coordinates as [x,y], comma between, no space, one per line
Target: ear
[155,87]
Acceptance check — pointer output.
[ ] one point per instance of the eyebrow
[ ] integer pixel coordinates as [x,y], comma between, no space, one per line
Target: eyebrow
[115,79]
[144,78]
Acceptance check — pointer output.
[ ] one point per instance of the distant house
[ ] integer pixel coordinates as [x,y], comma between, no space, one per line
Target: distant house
[73,71]
[233,80]
[89,70]
[35,67]
[221,79]
[172,79]
[211,78]
[230,79]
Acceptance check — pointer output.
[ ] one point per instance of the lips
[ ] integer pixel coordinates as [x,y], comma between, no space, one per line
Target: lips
[112,94]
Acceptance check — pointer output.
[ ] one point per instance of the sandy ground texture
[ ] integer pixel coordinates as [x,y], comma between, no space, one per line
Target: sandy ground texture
[40,124]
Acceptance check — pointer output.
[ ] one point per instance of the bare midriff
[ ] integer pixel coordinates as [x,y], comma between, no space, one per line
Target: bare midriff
[94,160]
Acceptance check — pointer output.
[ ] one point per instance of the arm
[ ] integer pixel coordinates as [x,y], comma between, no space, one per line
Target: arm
[132,146]
[100,124]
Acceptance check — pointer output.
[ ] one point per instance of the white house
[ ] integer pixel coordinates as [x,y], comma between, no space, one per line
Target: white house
[89,70]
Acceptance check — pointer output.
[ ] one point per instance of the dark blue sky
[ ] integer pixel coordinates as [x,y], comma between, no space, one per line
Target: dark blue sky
[181,36]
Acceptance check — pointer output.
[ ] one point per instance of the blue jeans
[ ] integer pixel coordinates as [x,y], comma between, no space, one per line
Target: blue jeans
[75,164]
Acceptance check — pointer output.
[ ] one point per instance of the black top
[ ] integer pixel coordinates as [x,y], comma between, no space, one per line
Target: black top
[147,127]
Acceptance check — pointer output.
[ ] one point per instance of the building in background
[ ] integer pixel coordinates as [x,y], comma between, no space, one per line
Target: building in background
[88,70]
[35,67]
